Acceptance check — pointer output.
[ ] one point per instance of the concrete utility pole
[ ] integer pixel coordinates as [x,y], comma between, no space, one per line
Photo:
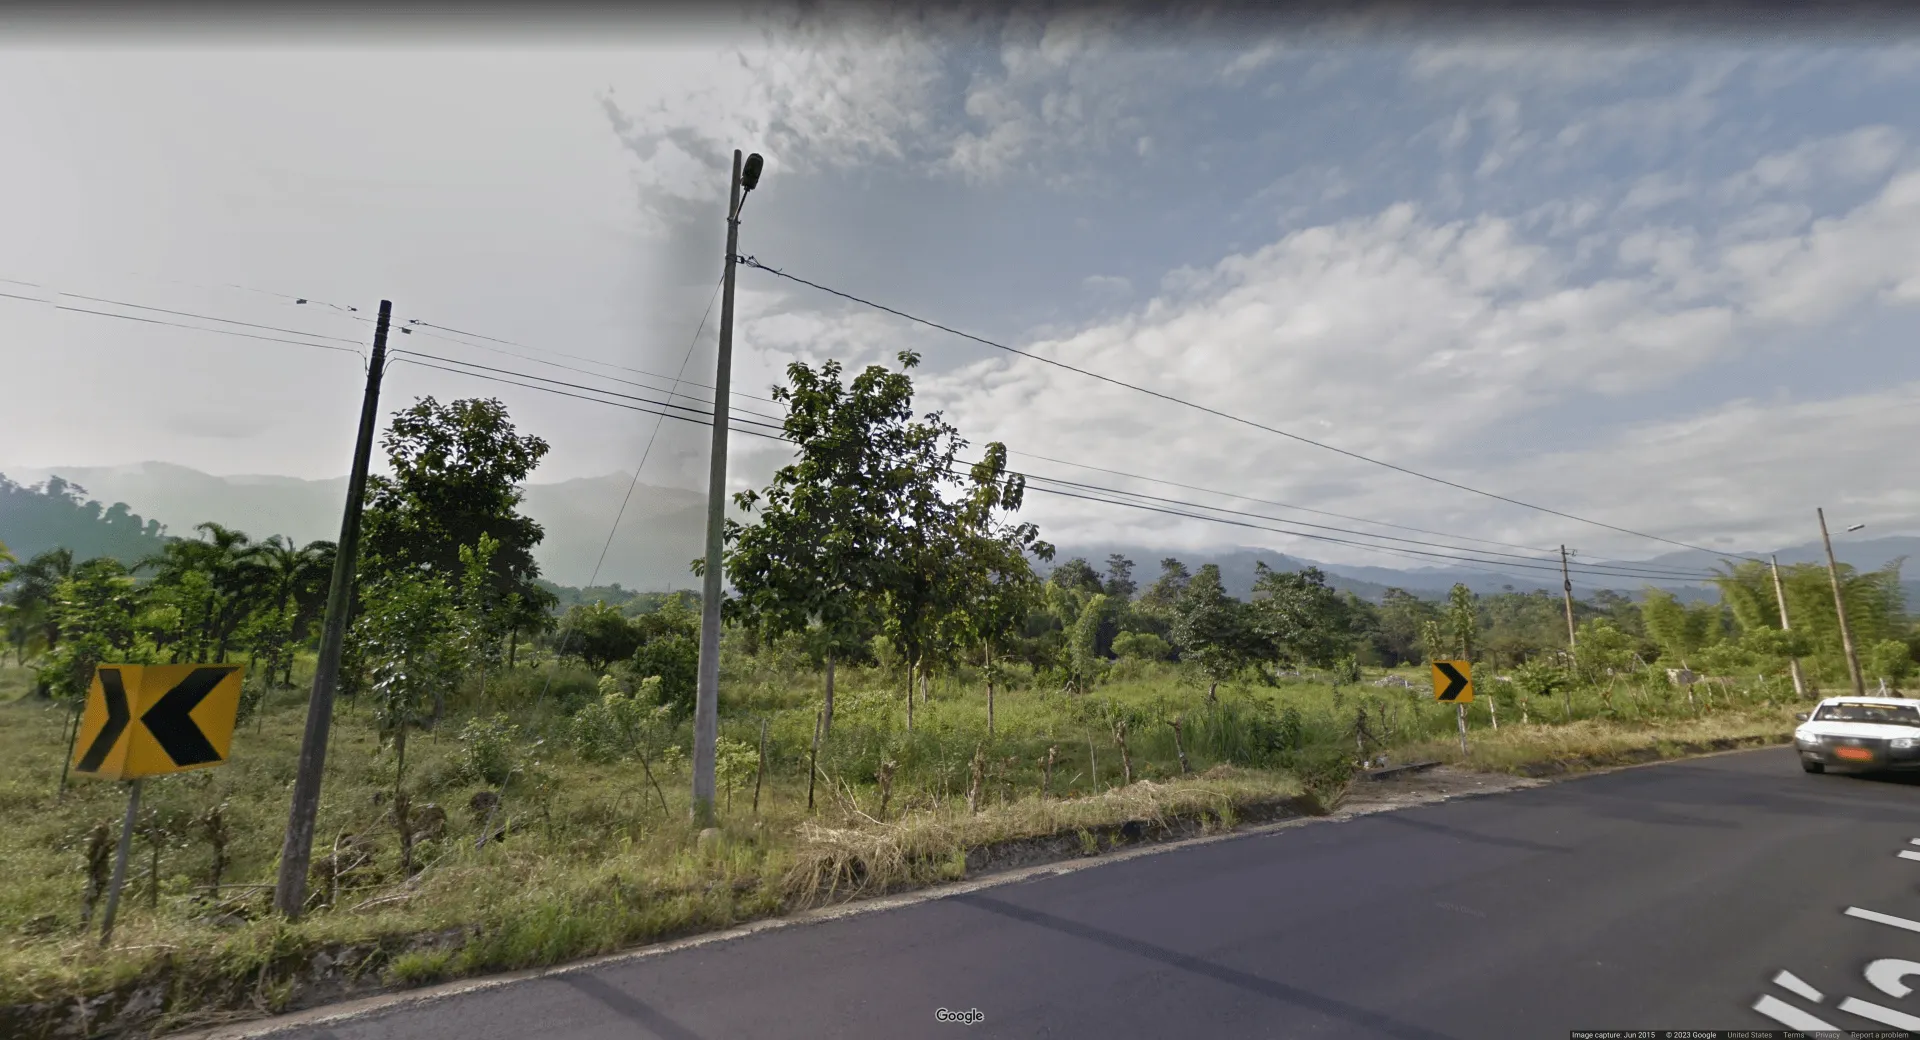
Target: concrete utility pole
[296,851]
[1566,593]
[1780,595]
[1840,609]
[706,711]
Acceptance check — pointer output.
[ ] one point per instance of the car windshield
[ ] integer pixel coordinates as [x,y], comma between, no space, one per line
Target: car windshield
[1885,714]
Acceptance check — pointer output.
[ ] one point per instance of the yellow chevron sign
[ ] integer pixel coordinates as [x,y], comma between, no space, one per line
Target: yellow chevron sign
[151,720]
[1453,682]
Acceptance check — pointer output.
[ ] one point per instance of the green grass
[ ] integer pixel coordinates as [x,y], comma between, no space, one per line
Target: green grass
[592,863]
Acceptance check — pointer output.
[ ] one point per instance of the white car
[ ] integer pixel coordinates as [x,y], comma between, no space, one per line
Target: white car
[1860,733]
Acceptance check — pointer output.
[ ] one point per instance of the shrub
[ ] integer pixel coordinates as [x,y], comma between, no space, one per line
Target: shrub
[488,748]
[1141,645]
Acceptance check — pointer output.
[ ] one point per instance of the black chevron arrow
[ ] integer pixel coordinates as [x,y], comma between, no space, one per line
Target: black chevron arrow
[117,719]
[171,725]
[1455,681]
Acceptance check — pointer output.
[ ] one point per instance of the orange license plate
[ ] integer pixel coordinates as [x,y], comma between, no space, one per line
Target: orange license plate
[1853,754]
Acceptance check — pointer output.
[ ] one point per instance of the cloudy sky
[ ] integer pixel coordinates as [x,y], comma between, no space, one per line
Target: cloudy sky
[1662,279]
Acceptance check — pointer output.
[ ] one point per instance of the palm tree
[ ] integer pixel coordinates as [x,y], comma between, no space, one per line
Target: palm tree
[30,590]
[239,580]
[290,579]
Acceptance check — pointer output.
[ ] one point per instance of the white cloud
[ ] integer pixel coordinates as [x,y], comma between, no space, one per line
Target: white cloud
[1860,155]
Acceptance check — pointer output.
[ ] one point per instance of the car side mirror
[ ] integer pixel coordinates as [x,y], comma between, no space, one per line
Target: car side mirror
[1802,716]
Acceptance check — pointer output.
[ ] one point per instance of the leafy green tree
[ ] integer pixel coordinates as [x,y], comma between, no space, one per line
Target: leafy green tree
[670,650]
[1077,575]
[922,589]
[1120,584]
[1402,624]
[1301,619]
[1463,622]
[1084,647]
[406,636]
[457,474]
[95,607]
[818,552]
[1213,631]
[1888,659]
[998,588]
[1602,649]
[599,635]
[1163,596]
[486,615]
[1679,631]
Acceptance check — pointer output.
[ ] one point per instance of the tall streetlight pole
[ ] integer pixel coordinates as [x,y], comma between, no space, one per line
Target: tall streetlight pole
[1840,607]
[706,711]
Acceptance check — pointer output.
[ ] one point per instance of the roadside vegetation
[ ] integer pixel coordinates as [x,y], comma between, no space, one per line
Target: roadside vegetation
[901,689]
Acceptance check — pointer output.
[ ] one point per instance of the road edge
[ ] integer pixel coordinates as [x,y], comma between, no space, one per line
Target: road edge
[370,1006]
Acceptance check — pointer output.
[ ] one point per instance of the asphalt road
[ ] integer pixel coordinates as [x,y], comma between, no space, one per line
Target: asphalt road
[1664,897]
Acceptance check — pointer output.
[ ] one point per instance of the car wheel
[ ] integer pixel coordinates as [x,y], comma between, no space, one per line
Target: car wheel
[1812,767]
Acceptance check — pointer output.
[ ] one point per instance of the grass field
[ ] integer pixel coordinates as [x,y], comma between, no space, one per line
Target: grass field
[589,856]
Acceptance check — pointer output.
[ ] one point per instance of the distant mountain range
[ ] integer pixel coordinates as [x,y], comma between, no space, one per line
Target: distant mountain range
[661,532]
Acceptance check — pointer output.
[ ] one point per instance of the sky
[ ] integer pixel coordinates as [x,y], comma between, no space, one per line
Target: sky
[1660,278]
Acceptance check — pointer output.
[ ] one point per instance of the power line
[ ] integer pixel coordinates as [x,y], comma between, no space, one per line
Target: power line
[671,392]
[1393,550]
[659,421]
[706,404]
[576,357]
[208,317]
[1629,570]
[1270,502]
[746,425]
[755,263]
[749,429]
[695,419]
[1636,572]
[576,386]
[194,328]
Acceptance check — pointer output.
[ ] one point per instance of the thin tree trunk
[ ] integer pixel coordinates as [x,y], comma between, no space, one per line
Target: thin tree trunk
[1213,692]
[513,647]
[1180,748]
[813,762]
[1046,776]
[826,712]
[400,803]
[760,773]
[1126,757]
[989,657]
[910,676]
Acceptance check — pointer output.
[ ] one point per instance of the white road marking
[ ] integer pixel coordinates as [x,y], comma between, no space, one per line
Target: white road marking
[1905,854]
[1882,1015]
[1886,919]
[1789,981]
[1788,1015]
[1888,974]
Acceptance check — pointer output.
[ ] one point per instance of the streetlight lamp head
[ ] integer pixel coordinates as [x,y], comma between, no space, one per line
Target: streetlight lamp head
[1856,527]
[750,173]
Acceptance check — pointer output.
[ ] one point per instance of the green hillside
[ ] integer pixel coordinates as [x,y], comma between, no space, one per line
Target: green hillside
[58,514]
